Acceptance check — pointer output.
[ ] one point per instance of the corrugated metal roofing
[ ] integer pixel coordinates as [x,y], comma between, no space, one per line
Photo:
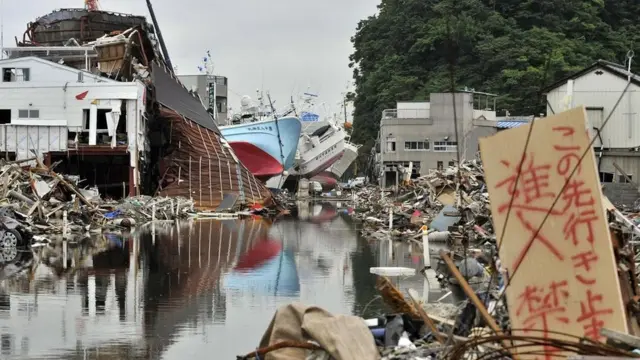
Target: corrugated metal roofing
[509,124]
[171,93]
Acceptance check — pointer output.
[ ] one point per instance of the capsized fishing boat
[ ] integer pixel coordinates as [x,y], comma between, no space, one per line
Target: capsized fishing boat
[319,150]
[265,145]
[329,177]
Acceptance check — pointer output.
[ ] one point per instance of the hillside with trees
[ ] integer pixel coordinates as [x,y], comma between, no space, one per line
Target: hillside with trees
[512,48]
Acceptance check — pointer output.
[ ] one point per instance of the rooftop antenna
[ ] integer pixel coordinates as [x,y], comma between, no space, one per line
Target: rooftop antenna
[207,65]
[207,68]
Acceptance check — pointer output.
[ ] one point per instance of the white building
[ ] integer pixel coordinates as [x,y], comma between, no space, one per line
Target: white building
[598,88]
[53,110]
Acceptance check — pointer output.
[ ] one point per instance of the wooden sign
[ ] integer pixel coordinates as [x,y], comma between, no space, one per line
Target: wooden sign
[566,278]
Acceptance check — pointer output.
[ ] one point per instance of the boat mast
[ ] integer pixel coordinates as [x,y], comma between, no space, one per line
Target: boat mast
[273,110]
[165,53]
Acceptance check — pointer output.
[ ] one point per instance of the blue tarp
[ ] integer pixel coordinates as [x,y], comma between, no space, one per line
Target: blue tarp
[447,217]
[278,275]
[307,116]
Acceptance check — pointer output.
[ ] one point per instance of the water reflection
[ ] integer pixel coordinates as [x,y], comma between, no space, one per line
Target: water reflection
[268,268]
[188,291]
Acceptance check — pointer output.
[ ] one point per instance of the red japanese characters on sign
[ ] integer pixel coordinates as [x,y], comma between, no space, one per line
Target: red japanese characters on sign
[538,305]
[548,213]
[533,195]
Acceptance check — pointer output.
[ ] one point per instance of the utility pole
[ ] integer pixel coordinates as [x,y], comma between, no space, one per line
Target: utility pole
[344,105]
[1,29]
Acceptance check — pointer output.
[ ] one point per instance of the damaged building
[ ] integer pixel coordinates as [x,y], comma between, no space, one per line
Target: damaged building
[93,93]
[418,136]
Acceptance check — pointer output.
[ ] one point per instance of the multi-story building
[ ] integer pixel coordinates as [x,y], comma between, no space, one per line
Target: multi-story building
[213,90]
[422,134]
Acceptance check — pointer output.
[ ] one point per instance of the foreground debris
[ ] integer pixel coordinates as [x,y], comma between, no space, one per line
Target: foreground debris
[308,332]
[460,217]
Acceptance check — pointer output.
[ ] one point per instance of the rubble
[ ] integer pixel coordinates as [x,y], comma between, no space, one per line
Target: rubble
[431,200]
[38,205]
[460,216]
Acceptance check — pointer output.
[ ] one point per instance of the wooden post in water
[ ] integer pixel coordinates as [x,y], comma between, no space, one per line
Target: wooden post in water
[64,238]
[153,224]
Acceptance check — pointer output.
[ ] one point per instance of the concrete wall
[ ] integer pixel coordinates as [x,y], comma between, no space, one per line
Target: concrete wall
[200,82]
[197,83]
[440,126]
[413,109]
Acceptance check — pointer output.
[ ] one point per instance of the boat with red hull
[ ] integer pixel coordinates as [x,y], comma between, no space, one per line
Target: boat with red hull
[266,147]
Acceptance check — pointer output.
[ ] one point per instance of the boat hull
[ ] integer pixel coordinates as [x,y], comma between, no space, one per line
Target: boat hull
[326,179]
[312,164]
[257,144]
[348,157]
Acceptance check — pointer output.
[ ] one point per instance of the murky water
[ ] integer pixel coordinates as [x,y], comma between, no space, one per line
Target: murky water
[200,290]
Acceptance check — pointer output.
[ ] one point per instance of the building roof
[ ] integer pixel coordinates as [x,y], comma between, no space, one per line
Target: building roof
[510,124]
[610,67]
[18,60]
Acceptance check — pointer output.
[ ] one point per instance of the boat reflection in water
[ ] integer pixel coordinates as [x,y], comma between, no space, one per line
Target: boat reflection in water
[136,298]
[266,268]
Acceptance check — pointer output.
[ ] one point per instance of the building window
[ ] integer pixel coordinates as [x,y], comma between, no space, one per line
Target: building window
[28,114]
[623,179]
[440,165]
[391,144]
[15,74]
[5,116]
[445,146]
[416,145]
[452,163]
[606,177]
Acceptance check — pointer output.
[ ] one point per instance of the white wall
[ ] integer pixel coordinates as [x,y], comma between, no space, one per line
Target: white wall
[593,90]
[43,71]
[52,89]
[413,109]
[58,102]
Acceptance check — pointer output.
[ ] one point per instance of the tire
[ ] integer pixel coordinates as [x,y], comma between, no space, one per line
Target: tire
[10,240]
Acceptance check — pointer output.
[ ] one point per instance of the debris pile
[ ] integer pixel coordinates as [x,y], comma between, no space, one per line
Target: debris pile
[432,200]
[38,204]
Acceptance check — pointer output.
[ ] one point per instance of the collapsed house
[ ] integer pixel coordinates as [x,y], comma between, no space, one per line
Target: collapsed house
[93,91]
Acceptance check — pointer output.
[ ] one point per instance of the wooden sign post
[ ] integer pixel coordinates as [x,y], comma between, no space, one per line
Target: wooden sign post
[566,279]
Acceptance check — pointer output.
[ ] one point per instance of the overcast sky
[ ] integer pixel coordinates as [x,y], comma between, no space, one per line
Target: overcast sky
[284,46]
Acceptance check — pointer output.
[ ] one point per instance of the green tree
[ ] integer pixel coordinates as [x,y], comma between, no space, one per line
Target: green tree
[509,47]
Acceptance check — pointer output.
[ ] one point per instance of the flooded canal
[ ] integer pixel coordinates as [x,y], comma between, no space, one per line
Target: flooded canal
[199,290]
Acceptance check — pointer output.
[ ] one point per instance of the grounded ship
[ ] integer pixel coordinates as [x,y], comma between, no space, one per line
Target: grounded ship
[329,178]
[324,151]
[128,124]
[266,144]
